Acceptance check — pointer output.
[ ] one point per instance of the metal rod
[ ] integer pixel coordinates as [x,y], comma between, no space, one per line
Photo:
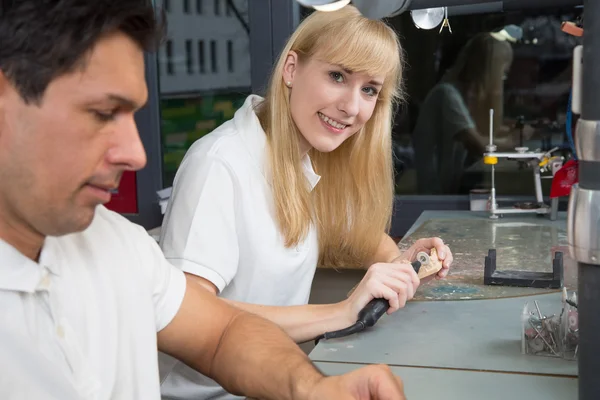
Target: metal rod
[491,126]
[588,308]
[591,63]
[588,305]
[538,184]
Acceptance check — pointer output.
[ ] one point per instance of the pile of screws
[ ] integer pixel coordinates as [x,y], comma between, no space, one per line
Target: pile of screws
[541,333]
[552,336]
[569,327]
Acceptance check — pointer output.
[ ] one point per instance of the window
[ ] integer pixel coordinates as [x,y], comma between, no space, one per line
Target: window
[201,56]
[526,82]
[186,6]
[230,56]
[188,57]
[213,56]
[217,7]
[198,90]
[228,8]
[169,54]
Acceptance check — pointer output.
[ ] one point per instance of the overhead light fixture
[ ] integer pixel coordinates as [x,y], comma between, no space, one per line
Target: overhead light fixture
[324,5]
[374,9]
[334,6]
[378,9]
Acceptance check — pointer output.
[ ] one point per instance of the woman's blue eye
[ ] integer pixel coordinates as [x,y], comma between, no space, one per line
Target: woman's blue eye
[371,91]
[337,76]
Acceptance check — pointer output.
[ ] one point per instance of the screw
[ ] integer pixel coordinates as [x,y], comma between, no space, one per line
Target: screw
[542,337]
[538,309]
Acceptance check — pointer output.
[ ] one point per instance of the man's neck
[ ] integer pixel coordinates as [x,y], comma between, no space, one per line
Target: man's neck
[22,237]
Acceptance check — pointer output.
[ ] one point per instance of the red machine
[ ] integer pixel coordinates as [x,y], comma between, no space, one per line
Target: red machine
[124,200]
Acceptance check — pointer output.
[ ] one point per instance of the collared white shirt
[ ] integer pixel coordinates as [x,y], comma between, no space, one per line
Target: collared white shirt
[82,323]
[220,224]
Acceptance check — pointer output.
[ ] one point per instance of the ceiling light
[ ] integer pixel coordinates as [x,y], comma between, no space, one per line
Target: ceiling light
[324,5]
[334,6]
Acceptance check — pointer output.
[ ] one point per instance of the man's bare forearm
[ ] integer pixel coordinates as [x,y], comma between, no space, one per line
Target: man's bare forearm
[244,353]
[301,322]
[306,322]
[255,358]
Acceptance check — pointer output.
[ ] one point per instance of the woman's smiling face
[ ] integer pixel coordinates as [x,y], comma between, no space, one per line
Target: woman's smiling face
[328,102]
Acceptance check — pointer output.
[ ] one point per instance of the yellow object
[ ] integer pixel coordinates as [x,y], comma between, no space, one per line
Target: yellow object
[490,160]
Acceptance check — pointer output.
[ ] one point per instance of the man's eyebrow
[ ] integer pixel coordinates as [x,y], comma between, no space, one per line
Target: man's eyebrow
[120,100]
[350,72]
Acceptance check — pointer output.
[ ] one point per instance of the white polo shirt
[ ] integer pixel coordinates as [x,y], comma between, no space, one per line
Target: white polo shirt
[82,323]
[220,224]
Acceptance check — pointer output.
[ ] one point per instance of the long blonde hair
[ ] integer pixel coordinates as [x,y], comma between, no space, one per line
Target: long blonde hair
[352,204]
[478,73]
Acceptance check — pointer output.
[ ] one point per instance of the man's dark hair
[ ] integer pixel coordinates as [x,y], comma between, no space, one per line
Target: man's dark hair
[41,40]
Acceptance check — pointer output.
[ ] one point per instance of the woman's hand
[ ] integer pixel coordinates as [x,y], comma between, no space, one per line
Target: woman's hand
[397,282]
[443,251]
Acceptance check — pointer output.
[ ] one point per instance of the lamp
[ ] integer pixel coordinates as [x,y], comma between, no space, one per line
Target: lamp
[324,5]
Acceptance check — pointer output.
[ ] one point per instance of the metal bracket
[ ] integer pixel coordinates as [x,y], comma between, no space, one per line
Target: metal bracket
[545,280]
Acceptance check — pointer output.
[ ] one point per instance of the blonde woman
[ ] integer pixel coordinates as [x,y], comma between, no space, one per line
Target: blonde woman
[298,179]
[452,128]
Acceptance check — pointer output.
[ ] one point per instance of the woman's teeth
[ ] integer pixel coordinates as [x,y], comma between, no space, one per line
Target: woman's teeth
[331,122]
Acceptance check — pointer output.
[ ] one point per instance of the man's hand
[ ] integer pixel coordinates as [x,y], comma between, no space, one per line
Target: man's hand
[396,282]
[443,252]
[375,382]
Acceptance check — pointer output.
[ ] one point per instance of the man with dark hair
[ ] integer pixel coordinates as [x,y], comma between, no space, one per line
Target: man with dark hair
[86,297]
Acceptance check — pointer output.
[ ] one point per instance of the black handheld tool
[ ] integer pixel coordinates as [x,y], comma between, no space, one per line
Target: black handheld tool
[367,317]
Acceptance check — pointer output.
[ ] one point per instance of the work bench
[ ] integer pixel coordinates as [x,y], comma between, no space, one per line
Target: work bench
[461,339]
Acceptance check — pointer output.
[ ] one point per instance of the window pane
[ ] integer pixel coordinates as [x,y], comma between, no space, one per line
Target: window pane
[213,56]
[230,56]
[188,57]
[201,56]
[204,76]
[453,80]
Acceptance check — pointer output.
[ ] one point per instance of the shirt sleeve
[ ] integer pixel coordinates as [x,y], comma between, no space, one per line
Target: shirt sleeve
[167,282]
[455,113]
[199,233]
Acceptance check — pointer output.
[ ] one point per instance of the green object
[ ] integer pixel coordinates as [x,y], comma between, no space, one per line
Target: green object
[185,120]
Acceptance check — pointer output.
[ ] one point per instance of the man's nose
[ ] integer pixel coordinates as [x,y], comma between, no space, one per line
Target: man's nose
[127,149]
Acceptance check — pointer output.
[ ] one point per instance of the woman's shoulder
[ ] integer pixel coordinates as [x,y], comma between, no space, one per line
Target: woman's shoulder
[223,142]
[446,89]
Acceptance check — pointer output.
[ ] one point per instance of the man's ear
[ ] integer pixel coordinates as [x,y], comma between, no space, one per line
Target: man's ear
[4,89]
[290,67]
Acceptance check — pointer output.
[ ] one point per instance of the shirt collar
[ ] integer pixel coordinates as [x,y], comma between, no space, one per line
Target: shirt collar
[19,273]
[253,135]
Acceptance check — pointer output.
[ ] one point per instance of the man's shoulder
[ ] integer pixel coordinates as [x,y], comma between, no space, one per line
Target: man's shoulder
[107,219]
[109,231]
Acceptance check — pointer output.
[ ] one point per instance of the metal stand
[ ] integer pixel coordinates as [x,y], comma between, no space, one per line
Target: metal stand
[584,209]
[589,326]
[534,159]
[544,280]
